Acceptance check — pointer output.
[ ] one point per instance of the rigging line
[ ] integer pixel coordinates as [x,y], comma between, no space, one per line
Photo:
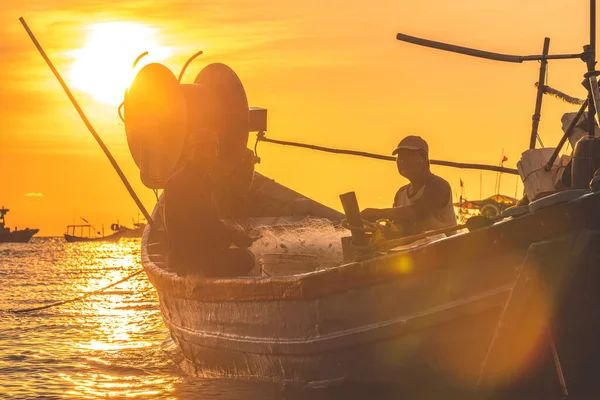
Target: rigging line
[539,139]
[59,303]
[561,95]
[512,171]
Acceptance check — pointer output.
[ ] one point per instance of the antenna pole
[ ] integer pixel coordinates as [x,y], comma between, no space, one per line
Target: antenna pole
[591,81]
[88,124]
[540,95]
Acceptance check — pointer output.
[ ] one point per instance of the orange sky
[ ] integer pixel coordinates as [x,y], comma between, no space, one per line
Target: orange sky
[329,72]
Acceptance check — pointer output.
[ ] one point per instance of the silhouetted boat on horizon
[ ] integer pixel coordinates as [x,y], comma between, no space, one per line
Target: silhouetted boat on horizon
[136,232]
[16,235]
[490,207]
[71,237]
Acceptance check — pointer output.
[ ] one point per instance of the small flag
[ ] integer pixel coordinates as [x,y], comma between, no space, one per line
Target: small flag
[504,158]
[461,183]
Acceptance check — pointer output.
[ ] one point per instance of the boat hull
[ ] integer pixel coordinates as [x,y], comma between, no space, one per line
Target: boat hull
[133,233]
[432,312]
[20,236]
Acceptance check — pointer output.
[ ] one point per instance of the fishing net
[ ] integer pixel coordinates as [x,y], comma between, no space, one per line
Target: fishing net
[319,239]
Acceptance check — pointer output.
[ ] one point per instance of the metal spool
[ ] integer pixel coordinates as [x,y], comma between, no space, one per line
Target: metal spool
[156,123]
[223,108]
[162,115]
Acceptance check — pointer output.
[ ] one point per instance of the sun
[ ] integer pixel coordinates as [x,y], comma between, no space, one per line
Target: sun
[103,68]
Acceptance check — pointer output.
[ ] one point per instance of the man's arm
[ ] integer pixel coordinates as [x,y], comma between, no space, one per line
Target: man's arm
[404,213]
[435,195]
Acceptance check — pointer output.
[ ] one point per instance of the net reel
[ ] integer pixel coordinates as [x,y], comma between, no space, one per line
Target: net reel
[163,117]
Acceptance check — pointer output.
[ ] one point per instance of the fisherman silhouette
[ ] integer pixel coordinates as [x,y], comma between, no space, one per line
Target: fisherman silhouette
[422,205]
[199,241]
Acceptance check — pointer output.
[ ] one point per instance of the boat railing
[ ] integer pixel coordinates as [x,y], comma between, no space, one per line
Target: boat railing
[588,56]
[71,229]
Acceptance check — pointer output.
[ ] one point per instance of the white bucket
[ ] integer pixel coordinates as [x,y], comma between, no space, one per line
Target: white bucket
[563,162]
[536,179]
[287,263]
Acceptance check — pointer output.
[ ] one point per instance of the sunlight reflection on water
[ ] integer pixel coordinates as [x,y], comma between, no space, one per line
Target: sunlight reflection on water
[107,345]
[111,345]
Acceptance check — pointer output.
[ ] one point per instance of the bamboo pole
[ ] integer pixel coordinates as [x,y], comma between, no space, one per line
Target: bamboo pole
[540,95]
[567,134]
[88,124]
[481,53]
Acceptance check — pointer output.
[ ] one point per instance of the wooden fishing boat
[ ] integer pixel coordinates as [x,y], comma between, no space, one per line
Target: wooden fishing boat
[502,307]
[428,312]
[490,207]
[71,237]
[16,235]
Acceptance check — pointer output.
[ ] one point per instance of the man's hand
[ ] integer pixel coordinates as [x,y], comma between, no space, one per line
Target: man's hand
[372,214]
[241,238]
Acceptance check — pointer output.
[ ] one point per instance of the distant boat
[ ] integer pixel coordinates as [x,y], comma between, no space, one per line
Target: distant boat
[70,236]
[16,235]
[490,207]
[136,232]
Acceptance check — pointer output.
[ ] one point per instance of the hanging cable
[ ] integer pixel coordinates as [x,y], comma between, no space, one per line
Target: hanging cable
[138,58]
[120,113]
[188,63]
[135,63]
[60,303]
[261,137]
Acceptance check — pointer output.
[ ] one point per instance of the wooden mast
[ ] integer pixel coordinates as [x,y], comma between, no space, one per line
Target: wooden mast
[540,94]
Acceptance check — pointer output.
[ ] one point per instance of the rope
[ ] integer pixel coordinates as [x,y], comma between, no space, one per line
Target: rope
[262,270]
[261,137]
[60,303]
[539,139]
[560,95]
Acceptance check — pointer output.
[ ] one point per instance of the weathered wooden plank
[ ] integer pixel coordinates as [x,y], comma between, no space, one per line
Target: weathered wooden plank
[432,309]
[522,335]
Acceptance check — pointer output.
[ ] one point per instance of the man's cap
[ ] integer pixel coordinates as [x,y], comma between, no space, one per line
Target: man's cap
[412,143]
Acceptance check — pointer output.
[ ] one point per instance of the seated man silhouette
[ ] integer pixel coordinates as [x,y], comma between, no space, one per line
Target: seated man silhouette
[233,179]
[425,203]
[198,240]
